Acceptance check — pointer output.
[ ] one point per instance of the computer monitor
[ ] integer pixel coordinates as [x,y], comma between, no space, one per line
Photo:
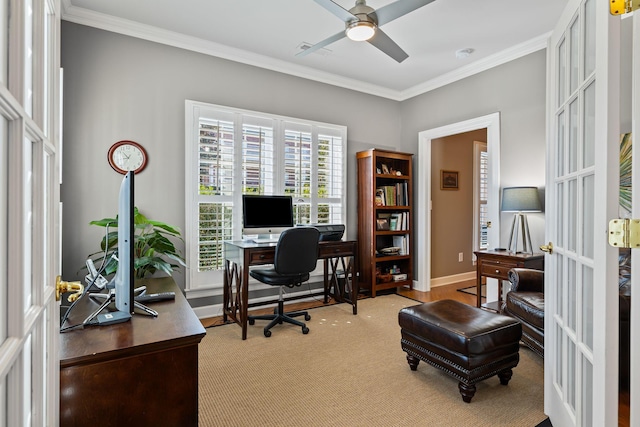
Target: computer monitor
[266,215]
[123,281]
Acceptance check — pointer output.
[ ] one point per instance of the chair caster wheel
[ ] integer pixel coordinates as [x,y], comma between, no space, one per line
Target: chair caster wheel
[307,317]
[267,333]
[305,330]
[252,321]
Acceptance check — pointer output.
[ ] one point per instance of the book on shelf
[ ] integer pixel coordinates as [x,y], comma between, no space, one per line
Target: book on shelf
[402,242]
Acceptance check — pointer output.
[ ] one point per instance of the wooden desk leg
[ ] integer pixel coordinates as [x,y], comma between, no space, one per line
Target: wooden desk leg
[327,286]
[225,290]
[478,286]
[355,284]
[244,298]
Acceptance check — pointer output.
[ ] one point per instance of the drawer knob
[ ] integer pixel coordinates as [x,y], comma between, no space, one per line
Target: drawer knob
[497,271]
[261,256]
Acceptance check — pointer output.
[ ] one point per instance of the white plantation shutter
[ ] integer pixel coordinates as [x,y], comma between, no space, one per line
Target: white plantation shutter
[244,152]
[257,159]
[330,176]
[484,192]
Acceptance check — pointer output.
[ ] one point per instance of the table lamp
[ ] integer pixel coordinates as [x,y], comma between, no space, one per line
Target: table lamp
[520,199]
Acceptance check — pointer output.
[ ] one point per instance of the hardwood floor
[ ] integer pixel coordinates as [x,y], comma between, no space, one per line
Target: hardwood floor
[437,293]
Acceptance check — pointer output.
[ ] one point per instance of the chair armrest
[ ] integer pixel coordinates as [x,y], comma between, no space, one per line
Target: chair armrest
[526,279]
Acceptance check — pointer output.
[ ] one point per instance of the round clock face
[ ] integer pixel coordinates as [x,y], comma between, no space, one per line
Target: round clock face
[125,156]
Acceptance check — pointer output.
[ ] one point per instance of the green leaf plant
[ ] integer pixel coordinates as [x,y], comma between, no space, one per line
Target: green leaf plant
[153,249]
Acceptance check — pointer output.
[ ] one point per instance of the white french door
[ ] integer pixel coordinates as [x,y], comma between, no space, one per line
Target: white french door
[581,304]
[29,212]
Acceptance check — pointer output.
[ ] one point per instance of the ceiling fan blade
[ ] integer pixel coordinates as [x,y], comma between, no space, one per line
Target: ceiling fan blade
[323,43]
[397,9]
[337,10]
[388,46]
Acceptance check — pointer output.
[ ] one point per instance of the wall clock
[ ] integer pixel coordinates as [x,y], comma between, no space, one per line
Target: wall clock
[125,156]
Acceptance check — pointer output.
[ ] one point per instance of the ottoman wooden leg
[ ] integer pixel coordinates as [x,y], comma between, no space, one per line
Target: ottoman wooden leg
[505,376]
[467,391]
[413,362]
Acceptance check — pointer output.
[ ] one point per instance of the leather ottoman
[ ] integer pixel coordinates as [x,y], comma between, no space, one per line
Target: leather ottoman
[468,343]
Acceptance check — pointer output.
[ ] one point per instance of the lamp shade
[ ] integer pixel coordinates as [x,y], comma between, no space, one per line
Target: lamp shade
[520,199]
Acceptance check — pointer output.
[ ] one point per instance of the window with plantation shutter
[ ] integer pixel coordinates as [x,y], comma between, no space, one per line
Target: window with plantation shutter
[230,152]
[480,196]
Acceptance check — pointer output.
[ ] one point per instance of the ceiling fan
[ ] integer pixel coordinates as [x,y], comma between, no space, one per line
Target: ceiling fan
[362,23]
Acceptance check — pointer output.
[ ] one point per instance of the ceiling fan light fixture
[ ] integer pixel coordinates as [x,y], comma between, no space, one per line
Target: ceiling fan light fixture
[360,30]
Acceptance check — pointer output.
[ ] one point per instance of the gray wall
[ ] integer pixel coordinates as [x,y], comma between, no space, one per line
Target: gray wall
[516,90]
[117,87]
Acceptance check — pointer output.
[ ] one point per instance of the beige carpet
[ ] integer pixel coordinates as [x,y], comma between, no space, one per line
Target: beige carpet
[349,371]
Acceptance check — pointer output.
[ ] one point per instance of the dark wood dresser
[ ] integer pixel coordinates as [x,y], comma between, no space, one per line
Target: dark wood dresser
[496,264]
[143,372]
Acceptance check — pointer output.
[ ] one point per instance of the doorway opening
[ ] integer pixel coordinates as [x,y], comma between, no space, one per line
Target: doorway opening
[424,186]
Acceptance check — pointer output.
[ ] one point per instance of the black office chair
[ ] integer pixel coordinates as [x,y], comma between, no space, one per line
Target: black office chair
[296,256]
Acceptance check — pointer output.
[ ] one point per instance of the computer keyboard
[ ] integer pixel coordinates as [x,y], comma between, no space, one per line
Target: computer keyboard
[266,240]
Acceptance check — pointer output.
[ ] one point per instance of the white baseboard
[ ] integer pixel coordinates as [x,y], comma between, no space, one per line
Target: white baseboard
[455,278]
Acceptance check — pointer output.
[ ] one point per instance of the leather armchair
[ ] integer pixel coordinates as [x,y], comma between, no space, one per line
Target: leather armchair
[525,302]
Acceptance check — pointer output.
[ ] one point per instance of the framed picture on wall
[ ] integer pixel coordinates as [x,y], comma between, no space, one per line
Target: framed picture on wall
[448,180]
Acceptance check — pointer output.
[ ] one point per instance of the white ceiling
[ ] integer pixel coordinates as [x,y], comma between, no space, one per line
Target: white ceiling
[268,33]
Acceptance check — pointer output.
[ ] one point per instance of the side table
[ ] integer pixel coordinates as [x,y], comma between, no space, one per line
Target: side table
[496,264]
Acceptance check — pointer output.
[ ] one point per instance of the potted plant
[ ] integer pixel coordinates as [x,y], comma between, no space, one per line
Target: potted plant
[154,251]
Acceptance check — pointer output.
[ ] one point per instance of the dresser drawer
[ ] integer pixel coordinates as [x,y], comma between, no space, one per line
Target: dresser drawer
[498,270]
[330,250]
[262,257]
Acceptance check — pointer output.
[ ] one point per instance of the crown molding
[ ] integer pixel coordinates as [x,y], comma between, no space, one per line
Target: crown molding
[479,66]
[110,23]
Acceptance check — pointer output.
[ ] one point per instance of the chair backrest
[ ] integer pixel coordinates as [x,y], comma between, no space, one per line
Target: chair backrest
[297,251]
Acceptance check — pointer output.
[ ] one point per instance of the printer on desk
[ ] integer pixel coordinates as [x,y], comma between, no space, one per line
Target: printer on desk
[329,232]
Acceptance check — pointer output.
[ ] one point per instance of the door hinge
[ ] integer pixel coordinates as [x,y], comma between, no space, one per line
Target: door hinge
[624,233]
[620,7]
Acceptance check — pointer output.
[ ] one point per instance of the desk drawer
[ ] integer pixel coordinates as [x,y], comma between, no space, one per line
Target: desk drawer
[498,270]
[262,257]
[329,250]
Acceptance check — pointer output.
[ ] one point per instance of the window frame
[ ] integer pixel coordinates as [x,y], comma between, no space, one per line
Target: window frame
[207,283]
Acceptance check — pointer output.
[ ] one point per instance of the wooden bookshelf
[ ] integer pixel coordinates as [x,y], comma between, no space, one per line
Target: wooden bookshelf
[385,214]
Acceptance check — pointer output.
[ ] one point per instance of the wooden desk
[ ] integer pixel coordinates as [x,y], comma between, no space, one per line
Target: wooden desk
[141,372]
[339,257]
[496,264]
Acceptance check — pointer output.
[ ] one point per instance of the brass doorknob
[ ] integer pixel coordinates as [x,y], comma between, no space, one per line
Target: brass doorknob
[63,286]
[547,248]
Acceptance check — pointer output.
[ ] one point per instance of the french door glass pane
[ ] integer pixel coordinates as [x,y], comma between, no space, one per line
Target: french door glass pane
[573,136]
[571,295]
[560,162]
[27,208]
[559,289]
[558,371]
[587,395]
[562,71]
[588,156]
[571,374]
[4,407]
[4,190]
[26,381]
[28,57]
[572,215]
[587,216]
[4,42]
[589,37]
[560,206]
[587,306]
[574,55]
